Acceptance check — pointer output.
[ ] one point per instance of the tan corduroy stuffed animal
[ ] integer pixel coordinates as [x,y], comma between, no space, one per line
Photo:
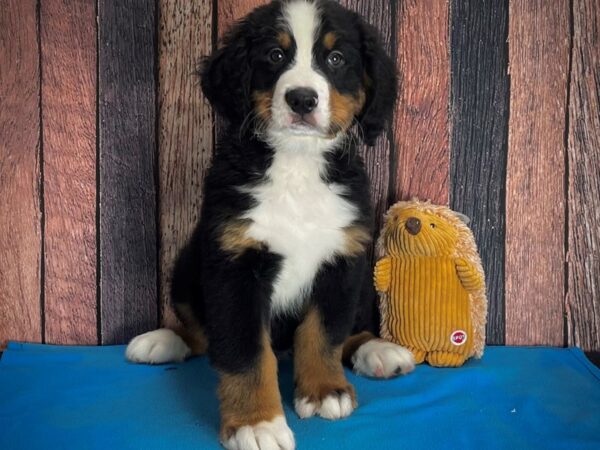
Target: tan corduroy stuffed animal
[431,284]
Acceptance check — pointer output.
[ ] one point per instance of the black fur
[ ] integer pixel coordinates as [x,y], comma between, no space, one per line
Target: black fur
[363,48]
[231,296]
[233,72]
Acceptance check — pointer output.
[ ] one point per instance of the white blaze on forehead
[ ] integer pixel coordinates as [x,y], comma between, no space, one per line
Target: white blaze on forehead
[302,18]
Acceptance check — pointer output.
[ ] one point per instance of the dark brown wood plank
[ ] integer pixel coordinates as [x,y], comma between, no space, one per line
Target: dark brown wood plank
[185,130]
[421,127]
[583,299]
[127,158]
[479,123]
[378,13]
[535,203]
[20,213]
[68,37]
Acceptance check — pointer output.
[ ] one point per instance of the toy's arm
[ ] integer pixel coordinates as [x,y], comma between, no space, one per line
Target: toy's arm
[468,275]
[383,274]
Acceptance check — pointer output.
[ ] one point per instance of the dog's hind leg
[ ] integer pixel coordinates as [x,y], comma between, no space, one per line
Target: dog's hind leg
[374,357]
[165,345]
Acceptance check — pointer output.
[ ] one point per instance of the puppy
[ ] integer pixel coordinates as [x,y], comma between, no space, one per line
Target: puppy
[277,259]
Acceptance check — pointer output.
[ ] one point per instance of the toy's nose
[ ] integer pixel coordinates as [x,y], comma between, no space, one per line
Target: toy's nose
[413,225]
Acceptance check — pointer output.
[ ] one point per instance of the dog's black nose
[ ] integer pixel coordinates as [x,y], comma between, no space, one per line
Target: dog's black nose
[302,100]
[413,225]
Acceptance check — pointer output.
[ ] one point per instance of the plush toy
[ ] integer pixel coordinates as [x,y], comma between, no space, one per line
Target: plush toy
[431,284]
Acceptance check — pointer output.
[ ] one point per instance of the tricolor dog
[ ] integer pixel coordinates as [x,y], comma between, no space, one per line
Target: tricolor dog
[277,260]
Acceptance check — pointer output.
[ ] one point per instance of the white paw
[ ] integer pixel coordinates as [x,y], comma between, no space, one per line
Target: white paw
[334,406]
[157,347]
[382,359]
[273,435]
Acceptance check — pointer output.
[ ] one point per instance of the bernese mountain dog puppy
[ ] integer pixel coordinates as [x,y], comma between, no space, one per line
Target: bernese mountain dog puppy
[278,258]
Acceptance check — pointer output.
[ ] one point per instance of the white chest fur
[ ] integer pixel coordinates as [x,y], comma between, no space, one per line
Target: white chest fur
[301,218]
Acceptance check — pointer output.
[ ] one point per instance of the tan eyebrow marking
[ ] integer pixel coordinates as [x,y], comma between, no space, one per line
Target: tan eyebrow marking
[285,40]
[329,40]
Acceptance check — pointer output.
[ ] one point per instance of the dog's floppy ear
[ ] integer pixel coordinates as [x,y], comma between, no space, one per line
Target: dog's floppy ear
[226,76]
[380,80]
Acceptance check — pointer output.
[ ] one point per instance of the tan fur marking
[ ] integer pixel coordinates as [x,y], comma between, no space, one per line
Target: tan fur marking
[329,40]
[190,330]
[352,344]
[318,369]
[252,397]
[357,239]
[285,40]
[343,109]
[234,238]
[263,101]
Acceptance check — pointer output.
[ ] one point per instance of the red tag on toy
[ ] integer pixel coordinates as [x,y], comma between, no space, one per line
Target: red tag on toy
[458,337]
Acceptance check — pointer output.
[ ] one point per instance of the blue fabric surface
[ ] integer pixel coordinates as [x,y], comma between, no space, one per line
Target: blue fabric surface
[91,398]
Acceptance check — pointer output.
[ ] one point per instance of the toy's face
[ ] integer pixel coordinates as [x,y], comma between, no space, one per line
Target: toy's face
[410,231]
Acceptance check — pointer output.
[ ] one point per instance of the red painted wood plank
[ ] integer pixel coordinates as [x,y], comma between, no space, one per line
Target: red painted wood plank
[535,191]
[583,299]
[185,130]
[421,127]
[20,213]
[68,37]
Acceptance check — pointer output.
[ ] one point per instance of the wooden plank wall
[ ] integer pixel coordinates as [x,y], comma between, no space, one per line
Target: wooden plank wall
[479,106]
[421,128]
[21,292]
[127,155]
[539,63]
[185,129]
[68,83]
[105,138]
[583,167]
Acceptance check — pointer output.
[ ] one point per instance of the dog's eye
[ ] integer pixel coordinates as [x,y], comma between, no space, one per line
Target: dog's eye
[335,59]
[276,55]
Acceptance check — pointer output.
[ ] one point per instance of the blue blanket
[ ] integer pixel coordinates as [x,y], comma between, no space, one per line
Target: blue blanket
[91,398]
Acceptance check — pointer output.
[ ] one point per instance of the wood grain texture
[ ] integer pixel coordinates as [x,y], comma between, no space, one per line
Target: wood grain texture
[127,158]
[421,127]
[230,11]
[479,136]
[583,299]
[20,208]
[68,37]
[185,130]
[378,13]
[535,203]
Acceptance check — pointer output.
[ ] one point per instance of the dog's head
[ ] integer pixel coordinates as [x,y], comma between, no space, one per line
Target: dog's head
[302,68]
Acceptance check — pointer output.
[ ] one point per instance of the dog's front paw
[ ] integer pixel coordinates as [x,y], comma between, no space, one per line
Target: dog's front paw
[337,404]
[266,435]
[382,359]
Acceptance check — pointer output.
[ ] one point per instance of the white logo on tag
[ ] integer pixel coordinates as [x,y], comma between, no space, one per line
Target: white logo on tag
[458,337]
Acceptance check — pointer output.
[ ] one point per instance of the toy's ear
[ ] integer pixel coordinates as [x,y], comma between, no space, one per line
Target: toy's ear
[381,83]
[463,218]
[226,76]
